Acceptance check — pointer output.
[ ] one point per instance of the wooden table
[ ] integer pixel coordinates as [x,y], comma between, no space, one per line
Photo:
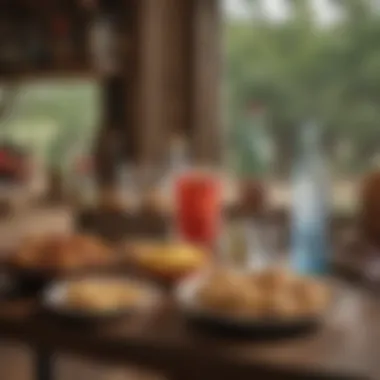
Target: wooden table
[346,347]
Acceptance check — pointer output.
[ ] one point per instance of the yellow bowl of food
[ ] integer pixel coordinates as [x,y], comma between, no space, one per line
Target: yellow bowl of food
[167,260]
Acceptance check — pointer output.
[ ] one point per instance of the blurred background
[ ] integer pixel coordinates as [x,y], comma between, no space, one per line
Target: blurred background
[281,54]
[278,54]
[282,61]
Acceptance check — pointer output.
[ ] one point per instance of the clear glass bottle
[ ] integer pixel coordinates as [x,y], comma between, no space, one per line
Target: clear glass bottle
[177,163]
[310,205]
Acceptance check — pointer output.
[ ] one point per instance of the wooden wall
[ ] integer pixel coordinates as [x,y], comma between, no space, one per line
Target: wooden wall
[205,101]
[172,82]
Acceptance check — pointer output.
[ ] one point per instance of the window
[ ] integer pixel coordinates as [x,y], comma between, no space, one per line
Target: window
[55,121]
[287,59]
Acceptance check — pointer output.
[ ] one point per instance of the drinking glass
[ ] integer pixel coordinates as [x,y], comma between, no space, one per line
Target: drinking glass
[252,244]
[198,208]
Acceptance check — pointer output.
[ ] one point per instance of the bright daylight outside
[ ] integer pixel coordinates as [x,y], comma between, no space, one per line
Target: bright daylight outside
[188,185]
[285,57]
[280,57]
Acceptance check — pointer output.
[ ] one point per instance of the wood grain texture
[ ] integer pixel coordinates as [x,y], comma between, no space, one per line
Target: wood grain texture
[16,363]
[149,94]
[177,66]
[344,348]
[206,80]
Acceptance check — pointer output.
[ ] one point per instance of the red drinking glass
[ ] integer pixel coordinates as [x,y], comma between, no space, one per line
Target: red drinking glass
[199,208]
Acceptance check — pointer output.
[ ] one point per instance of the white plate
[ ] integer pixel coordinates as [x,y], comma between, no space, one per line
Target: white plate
[54,299]
[185,294]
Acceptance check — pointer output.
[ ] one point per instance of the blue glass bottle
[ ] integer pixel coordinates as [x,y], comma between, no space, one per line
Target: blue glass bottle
[310,206]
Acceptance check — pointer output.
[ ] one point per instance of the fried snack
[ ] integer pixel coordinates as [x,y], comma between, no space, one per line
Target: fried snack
[250,303]
[281,304]
[93,295]
[168,258]
[274,293]
[255,301]
[29,252]
[312,296]
[61,252]
[221,292]
[273,279]
[88,249]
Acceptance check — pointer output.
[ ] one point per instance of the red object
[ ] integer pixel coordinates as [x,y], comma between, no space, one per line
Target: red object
[199,208]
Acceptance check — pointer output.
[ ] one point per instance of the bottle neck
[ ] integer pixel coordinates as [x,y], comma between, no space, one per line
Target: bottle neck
[310,141]
[178,154]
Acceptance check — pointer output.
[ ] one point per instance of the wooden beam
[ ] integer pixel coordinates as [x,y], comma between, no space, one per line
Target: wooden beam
[177,67]
[128,47]
[206,79]
[164,72]
[108,148]
[176,78]
[149,96]
[117,133]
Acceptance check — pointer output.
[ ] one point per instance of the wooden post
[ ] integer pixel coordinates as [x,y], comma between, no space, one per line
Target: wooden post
[117,133]
[170,83]
[164,71]
[108,148]
[149,95]
[205,49]
[129,131]
[177,67]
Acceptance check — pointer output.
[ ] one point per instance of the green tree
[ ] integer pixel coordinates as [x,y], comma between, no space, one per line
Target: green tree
[297,68]
[71,109]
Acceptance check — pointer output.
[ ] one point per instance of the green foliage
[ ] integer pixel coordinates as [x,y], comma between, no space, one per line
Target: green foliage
[297,68]
[294,68]
[68,110]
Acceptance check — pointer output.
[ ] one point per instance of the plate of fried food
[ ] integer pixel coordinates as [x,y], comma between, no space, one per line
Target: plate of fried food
[270,301]
[166,261]
[97,297]
[52,255]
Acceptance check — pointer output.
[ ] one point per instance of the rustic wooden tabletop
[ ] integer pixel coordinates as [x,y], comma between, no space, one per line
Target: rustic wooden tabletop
[345,346]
